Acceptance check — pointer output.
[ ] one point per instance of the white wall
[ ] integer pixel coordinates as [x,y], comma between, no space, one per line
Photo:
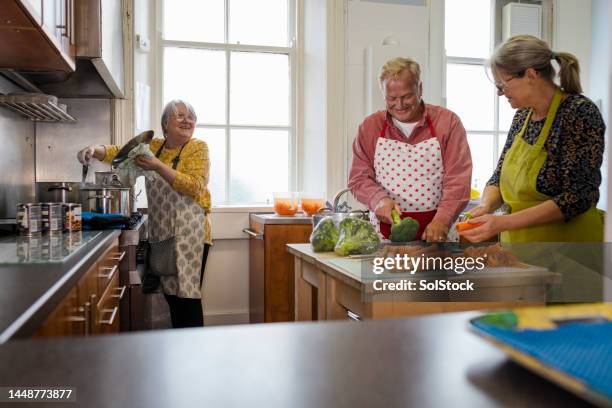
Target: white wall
[572,33]
[600,82]
[312,105]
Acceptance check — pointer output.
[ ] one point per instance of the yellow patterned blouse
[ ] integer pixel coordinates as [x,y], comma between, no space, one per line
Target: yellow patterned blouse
[192,172]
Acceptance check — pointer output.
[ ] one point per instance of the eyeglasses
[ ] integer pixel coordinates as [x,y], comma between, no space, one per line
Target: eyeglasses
[503,87]
[182,118]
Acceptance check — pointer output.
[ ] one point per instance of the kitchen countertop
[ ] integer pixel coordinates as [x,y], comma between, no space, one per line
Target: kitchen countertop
[431,361]
[272,218]
[358,272]
[29,292]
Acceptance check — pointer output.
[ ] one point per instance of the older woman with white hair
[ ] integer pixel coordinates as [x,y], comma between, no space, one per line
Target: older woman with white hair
[179,202]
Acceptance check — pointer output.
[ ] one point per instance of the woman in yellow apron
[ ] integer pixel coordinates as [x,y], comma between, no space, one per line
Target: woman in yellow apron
[549,171]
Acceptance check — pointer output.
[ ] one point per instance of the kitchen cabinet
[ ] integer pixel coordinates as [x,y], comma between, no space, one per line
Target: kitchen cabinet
[271,276]
[93,305]
[37,35]
[330,287]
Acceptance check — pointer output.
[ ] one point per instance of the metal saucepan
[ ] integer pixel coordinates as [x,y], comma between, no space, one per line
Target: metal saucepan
[58,192]
[107,178]
[107,200]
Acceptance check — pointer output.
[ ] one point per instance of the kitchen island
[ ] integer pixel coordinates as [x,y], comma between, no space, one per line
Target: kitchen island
[33,283]
[429,361]
[330,287]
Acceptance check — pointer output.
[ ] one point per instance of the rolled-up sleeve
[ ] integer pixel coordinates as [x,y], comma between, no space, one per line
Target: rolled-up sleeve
[457,161]
[110,151]
[580,161]
[362,177]
[192,178]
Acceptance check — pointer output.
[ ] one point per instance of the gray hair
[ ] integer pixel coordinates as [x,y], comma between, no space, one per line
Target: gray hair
[170,109]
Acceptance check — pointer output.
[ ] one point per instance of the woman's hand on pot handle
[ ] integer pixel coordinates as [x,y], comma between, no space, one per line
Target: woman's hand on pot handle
[148,163]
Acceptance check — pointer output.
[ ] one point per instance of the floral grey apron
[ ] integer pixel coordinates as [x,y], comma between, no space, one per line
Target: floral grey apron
[174,214]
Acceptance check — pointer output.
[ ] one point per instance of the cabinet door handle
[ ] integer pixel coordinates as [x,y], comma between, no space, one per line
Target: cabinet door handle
[121,292]
[80,318]
[252,233]
[87,314]
[118,256]
[113,313]
[109,275]
[353,316]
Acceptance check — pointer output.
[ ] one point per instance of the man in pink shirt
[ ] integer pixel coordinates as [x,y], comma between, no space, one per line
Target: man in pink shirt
[413,157]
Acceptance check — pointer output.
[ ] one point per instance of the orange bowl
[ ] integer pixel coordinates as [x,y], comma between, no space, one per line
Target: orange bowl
[286,203]
[311,206]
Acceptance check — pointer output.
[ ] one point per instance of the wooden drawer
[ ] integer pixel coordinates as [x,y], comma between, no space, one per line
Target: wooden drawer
[107,310]
[66,320]
[344,301]
[108,267]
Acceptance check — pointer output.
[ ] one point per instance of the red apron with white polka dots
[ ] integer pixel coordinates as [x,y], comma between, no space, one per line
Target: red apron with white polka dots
[411,175]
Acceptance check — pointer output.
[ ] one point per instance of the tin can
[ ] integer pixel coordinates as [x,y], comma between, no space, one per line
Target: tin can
[73,240]
[73,220]
[35,248]
[29,219]
[52,217]
[52,247]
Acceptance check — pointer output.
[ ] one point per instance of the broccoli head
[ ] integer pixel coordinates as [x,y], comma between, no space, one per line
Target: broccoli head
[356,237]
[324,236]
[403,230]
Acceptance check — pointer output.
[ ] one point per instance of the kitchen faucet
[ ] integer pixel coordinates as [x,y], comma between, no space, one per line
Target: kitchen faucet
[336,200]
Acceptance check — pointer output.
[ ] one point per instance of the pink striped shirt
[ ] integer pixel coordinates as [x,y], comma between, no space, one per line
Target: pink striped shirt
[456,159]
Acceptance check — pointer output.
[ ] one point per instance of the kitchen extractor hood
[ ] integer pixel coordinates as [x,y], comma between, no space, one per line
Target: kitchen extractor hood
[99,65]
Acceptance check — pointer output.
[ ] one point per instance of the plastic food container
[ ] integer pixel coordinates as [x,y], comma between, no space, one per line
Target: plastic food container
[312,203]
[286,203]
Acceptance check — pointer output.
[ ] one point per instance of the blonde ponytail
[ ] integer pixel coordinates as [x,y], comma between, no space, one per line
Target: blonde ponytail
[569,74]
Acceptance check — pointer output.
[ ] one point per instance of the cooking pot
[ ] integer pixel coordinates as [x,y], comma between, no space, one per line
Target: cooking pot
[58,192]
[107,199]
[107,178]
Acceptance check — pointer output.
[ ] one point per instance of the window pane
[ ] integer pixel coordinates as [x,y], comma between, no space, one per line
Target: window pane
[215,139]
[470,95]
[259,89]
[259,164]
[468,28]
[501,142]
[506,113]
[194,20]
[185,78]
[483,159]
[258,22]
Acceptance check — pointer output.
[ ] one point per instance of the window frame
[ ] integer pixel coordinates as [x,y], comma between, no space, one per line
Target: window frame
[291,52]
[496,132]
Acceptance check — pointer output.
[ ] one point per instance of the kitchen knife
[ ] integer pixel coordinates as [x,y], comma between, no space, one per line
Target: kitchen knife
[144,137]
[84,173]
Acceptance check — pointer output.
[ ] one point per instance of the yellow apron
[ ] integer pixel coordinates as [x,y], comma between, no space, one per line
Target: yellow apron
[519,174]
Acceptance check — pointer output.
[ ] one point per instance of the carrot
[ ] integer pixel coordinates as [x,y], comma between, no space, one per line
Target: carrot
[465,226]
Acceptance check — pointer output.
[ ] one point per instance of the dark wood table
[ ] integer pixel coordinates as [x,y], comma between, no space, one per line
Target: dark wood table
[431,361]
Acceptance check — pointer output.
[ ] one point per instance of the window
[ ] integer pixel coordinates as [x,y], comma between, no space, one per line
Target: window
[469,34]
[233,61]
